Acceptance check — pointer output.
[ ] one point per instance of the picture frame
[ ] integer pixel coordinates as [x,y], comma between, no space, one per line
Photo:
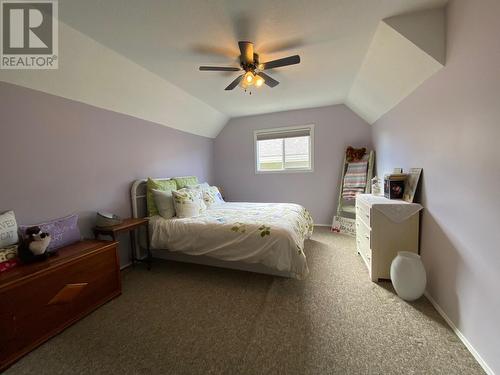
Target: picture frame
[411,184]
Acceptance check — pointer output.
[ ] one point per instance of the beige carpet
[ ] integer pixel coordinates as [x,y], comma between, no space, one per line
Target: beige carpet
[189,319]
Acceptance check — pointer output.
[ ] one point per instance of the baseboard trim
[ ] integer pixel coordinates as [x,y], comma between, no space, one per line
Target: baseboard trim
[322,225]
[460,335]
[125,266]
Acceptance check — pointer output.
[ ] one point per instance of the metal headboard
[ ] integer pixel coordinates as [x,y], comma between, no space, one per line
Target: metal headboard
[138,197]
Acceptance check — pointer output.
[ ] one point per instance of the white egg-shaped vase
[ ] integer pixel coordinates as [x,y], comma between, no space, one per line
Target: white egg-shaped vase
[408,275]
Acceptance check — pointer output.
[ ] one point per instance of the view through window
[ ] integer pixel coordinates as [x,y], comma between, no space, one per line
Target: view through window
[285,149]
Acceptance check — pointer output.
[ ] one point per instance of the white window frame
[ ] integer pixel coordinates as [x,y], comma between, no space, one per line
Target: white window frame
[310,127]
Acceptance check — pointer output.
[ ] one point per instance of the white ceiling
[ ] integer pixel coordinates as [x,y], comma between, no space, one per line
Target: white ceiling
[92,73]
[172,38]
[405,51]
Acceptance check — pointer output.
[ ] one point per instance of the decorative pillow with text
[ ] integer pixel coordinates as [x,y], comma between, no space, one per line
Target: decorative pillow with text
[8,229]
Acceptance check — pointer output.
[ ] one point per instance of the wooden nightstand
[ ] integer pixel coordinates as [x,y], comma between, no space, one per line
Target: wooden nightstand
[128,225]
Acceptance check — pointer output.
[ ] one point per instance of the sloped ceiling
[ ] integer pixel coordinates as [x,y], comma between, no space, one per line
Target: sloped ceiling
[94,74]
[142,57]
[405,51]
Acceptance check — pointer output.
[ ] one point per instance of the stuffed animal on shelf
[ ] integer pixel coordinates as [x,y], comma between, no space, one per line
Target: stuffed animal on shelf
[34,246]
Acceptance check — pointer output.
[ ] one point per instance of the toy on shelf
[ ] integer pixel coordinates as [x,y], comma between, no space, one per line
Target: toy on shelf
[34,245]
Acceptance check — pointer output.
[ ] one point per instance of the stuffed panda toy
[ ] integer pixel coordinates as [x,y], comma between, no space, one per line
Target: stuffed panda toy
[34,245]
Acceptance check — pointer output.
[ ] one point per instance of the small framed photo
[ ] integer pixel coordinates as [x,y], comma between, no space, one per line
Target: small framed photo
[411,184]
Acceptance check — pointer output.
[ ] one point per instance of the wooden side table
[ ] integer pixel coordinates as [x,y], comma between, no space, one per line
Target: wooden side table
[128,225]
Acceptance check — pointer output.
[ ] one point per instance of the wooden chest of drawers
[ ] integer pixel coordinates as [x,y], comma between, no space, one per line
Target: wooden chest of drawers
[378,238]
[38,301]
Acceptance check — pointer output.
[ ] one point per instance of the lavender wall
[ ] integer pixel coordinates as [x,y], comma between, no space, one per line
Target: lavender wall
[60,156]
[450,127]
[336,127]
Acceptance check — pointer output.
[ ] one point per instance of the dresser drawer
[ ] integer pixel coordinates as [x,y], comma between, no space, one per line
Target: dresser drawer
[364,250]
[363,242]
[365,253]
[363,212]
[39,306]
[363,233]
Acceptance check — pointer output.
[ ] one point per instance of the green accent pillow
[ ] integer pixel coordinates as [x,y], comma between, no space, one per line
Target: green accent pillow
[167,185]
[182,182]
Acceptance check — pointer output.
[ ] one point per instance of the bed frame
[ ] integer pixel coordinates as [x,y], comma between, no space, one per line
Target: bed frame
[139,210]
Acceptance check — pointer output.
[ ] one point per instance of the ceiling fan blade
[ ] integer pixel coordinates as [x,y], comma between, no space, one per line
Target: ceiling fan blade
[235,83]
[219,68]
[290,60]
[271,82]
[246,49]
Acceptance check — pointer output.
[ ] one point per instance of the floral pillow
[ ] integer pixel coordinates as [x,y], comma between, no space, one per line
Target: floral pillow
[202,186]
[8,253]
[212,196]
[188,203]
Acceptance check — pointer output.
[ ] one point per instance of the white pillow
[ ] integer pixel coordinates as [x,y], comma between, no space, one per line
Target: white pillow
[8,229]
[164,202]
[202,186]
[212,196]
[188,203]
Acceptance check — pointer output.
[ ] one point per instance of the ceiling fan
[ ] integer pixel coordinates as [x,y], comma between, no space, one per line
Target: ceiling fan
[249,63]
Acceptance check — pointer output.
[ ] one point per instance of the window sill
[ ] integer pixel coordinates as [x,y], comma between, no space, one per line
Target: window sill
[292,171]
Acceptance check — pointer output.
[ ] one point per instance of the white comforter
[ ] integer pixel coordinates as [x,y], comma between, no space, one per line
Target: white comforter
[272,234]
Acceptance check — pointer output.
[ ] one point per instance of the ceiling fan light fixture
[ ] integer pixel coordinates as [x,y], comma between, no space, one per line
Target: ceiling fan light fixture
[253,70]
[249,78]
[259,81]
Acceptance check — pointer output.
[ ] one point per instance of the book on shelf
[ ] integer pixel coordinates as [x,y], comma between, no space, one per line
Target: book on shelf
[395,176]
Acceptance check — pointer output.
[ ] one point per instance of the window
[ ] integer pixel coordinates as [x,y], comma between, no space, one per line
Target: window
[284,149]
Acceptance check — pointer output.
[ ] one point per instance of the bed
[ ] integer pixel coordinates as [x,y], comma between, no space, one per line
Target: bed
[258,237]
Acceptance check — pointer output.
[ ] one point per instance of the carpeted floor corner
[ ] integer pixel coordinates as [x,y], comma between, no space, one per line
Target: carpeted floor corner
[189,319]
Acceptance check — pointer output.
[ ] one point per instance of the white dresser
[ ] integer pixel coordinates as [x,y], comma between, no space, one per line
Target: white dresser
[384,227]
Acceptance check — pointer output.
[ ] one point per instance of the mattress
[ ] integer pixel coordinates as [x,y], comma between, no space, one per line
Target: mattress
[271,234]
